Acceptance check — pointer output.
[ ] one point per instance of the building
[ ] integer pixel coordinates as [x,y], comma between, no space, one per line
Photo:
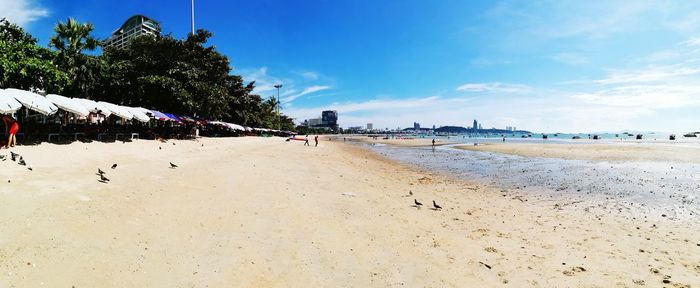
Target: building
[480,126]
[416,126]
[135,26]
[329,118]
[314,122]
[370,127]
[475,125]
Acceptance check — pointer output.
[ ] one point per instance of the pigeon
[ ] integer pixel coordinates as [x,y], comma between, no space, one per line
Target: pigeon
[114,166]
[3,157]
[21,161]
[160,148]
[436,206]
[173,143]
[13,156]
[30,168]
[99,171]
[103,179]
[418,204]
[172,165]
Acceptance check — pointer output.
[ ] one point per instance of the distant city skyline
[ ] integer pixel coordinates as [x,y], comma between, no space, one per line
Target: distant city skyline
[545,66]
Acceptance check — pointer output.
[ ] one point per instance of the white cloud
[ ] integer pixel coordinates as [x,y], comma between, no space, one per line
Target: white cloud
[22,12]
[494,87]
[307,90]
[310,75]
[649,74]
[572,59]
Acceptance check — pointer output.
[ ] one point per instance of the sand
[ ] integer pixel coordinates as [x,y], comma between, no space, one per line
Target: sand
[600,152]
[261,212]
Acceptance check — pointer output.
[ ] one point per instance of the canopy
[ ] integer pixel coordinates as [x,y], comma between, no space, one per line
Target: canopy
[160,116]
[8,104]
[68,104]
[229,125]
[93,106]
[173,117]
[138,113]
[33,101]
[117,110]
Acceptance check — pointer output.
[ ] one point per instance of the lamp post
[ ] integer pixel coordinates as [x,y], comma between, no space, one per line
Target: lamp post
[279,123]
[192,17]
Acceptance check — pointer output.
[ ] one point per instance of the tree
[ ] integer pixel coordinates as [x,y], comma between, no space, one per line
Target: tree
[71,39]
[24,64]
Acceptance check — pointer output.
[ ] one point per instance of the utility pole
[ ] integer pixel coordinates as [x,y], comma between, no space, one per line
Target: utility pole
[279,123]
[192,17]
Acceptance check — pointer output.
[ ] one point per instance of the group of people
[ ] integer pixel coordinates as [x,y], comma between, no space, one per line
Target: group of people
[11,129]
[306,141]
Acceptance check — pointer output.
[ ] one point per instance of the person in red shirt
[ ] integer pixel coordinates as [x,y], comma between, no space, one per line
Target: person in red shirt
[12,127]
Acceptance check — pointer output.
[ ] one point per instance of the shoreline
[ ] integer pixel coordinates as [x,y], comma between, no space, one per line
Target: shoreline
[264,212]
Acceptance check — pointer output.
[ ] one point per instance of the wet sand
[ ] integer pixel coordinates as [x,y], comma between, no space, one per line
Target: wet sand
[261,212]
[667,152]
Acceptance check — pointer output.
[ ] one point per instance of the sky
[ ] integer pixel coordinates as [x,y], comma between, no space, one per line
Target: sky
[545,66]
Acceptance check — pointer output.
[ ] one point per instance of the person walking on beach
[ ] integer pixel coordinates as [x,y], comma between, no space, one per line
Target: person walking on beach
[306,141]
[316,140]
[12,127]
[433,142]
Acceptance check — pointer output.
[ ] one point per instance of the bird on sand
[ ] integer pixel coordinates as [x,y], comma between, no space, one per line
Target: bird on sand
[114,166]
[21,161]
[99,171]
[2,157]
[436,206]
[103,179]
[418,204]
[13,156]
[172,165]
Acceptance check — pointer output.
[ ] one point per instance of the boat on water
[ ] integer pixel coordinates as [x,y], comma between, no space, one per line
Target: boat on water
[691,135]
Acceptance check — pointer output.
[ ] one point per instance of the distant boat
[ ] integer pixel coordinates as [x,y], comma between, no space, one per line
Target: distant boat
[544,136]
[690,135]
[576,137]
[596,137]
[639,136]
[672,137]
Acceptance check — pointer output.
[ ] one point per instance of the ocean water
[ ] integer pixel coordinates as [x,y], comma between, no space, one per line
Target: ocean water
[631,189]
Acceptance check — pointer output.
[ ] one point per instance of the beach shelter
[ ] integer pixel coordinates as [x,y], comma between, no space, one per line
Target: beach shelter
[117,110]
[93,106]
[8,104]
[160,116]
[33,101]
[173,117]
[138,114]
[68,104]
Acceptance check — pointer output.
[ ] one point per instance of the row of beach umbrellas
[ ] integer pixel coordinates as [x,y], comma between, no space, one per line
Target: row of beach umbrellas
[12,99]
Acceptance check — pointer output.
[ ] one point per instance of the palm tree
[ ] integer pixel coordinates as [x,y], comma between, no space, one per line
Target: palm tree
[71,39]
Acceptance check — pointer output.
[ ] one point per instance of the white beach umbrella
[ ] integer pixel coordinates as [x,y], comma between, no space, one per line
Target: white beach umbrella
[120,111]
[8,104]
[236,127]
[138,114]
[93,106]
[33,101]
[68,104]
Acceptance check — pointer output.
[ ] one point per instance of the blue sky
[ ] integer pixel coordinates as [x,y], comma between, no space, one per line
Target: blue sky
[539,65]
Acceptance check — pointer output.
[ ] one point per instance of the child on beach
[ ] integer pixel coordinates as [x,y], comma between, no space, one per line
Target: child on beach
[12,127]
[306,141]
[316,140]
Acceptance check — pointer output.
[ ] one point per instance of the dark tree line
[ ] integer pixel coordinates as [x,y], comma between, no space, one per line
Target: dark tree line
[181,76]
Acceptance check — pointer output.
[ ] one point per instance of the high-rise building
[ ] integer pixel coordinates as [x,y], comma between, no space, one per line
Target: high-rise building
[329,118]
[475,125]
[370,126]
[135,26]
[416,126]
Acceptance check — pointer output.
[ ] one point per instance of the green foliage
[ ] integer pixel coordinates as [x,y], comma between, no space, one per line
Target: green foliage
[71,39]
[24,64]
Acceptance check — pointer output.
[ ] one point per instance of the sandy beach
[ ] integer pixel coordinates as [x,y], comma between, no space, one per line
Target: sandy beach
[262,212]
